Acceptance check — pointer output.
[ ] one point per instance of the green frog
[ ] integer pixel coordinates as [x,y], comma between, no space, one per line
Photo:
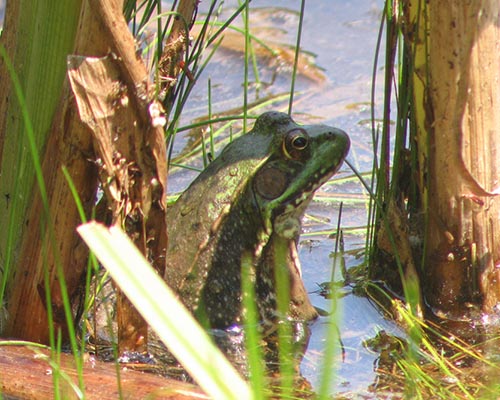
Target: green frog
[248,205]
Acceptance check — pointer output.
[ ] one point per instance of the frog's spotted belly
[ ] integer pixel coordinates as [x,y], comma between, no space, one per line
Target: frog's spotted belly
[250,201]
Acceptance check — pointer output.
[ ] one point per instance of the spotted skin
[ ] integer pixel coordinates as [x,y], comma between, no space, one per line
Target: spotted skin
[250,201]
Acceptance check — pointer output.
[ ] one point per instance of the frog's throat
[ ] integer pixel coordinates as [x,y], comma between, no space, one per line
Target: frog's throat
[287,224]
[298,196]
[294,256]
[300,305]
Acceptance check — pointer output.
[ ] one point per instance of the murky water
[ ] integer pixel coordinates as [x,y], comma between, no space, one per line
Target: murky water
[342,35]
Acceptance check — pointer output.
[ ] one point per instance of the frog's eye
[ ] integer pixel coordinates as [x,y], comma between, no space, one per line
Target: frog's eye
[295,142]
[299,142]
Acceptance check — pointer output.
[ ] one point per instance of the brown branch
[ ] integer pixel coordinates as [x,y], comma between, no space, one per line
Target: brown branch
[27,374]
[136,77]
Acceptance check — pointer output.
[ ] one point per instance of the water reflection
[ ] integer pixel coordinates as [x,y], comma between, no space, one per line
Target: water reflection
[341,35]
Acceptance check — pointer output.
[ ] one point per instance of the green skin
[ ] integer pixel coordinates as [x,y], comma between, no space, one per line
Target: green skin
[250,201]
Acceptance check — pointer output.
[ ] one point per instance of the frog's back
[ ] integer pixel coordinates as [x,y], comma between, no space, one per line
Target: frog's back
[249,202]
[194,220]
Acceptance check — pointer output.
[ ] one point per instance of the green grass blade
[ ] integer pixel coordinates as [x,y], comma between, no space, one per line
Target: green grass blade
[246,20]
[252,335]
[157,303]
[328,368]
[285,332]
[297,53]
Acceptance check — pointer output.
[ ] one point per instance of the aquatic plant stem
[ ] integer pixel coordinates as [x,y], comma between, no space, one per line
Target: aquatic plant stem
[256,361]
[178,329]
[286,357]
[297,53]
[246,14]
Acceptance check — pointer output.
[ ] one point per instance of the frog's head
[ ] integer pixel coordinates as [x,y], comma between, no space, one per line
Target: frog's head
[300,159]
[250,200]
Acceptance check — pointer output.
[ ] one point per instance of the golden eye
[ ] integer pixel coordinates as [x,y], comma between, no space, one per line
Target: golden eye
[295,143]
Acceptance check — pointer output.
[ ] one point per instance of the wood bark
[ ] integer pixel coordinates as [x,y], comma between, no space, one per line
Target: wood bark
[116,102]
[456,109]
[129,139]
[52,241]
[36,47]
[126,149]
[25,373]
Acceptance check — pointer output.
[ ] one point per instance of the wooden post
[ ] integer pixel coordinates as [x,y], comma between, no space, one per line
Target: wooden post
[456,47]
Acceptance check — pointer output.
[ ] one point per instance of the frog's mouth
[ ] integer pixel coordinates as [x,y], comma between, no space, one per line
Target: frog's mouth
[294,202]
[287,216]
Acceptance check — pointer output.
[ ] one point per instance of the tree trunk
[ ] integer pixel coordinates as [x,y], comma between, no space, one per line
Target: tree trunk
[39,59]
[50,248]
[111,126]
[456,50]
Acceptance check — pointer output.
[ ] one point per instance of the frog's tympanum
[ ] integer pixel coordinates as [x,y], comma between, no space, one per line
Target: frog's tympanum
[248,205]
